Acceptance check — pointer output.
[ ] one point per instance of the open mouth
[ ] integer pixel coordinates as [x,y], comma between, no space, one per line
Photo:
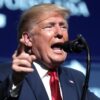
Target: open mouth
[57,47]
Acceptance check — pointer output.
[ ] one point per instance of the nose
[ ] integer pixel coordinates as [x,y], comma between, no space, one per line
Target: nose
[58,33]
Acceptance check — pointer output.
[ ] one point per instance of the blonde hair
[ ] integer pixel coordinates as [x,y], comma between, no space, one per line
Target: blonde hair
[34,15]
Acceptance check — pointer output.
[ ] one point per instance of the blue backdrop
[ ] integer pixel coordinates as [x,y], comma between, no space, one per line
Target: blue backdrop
[85,20]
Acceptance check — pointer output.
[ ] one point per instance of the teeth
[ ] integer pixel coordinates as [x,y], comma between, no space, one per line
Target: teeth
[57,50]
[56,46]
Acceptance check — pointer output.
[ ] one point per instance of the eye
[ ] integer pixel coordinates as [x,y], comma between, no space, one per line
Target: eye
[48,26]
[63,25]
[64,28]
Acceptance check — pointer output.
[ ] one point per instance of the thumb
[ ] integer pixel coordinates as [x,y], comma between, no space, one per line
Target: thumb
[33,57]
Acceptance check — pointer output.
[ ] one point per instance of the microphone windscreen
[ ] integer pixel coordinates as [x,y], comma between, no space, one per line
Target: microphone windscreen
[73,46]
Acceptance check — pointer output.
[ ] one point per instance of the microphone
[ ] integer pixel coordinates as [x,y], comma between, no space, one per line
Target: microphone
[76,45]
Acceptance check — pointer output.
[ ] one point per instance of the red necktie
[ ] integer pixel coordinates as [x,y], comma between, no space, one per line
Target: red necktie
[54,85]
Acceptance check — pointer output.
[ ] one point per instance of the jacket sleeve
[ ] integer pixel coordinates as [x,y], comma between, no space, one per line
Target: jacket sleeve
[5,72]
[5,90]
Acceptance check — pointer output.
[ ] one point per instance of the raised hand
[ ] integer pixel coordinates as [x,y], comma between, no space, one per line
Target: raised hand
[22,62]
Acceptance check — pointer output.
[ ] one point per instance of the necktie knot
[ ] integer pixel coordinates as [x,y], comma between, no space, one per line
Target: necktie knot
[52,73]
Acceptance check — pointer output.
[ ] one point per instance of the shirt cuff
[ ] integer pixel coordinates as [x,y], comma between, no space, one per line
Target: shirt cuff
[14,89]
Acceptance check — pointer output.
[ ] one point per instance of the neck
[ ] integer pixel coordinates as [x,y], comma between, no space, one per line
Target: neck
[46,66]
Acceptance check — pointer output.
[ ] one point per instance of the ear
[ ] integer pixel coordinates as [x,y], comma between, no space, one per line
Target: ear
[26,39]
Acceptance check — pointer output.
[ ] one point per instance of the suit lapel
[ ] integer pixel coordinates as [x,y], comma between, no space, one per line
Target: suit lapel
[36,85]
[68,86]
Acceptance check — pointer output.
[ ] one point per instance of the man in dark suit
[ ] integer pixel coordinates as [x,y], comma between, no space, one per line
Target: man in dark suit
[36,64]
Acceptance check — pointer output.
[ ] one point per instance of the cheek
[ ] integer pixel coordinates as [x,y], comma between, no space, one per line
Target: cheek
[47,37]
[40,43]
[66,37]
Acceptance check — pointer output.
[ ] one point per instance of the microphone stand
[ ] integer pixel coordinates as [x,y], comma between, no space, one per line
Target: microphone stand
[77,46]
[88,60]
[80,44]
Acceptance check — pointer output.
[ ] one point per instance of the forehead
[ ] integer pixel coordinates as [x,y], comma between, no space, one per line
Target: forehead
[42,12]
[54,17]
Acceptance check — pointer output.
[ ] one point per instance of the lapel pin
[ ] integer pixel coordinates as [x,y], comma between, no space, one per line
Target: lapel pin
[71,81]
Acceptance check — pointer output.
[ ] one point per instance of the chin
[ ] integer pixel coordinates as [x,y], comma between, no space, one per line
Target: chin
[58,61]
[59,58]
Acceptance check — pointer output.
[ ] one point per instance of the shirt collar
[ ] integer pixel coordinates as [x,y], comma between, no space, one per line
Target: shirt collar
[41,71]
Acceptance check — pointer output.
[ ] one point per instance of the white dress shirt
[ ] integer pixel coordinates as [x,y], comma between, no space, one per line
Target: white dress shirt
[44,77]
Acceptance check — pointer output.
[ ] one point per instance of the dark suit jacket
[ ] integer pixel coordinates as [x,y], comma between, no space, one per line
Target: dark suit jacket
[32,87]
